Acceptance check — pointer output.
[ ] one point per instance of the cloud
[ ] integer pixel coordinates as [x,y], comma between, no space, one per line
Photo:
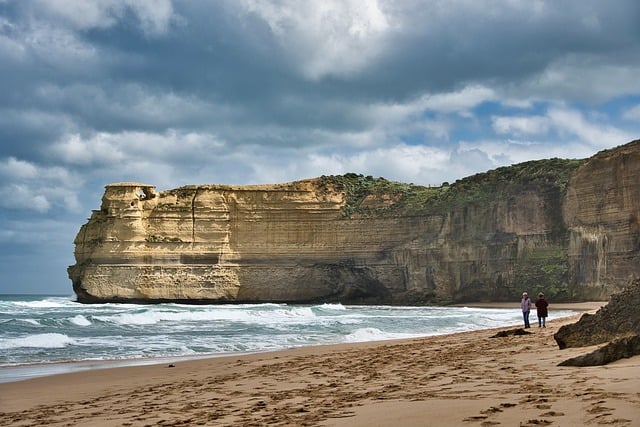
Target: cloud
[17,196]
[130,105]
[153,17]
[632,113]
[587,130]
[492,153]
[10,49]
[521,125]
[587,78]
[559,132]
[327,38]
[165,159]
[399,162]
[124,148]
[38,236]
[12,168]
[31,187]
[75,149]
[459,101]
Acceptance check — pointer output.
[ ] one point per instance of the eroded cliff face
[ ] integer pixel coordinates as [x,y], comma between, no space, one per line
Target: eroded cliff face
[551,225]
[601,211]
[212,243]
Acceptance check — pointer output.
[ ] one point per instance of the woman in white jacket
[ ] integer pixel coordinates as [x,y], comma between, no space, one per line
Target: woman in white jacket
[525,305]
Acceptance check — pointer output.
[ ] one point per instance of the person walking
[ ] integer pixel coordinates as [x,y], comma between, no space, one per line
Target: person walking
[541,309]
[525,305]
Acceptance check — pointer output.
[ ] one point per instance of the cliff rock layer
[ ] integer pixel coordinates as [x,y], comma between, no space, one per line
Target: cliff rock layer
[567,227]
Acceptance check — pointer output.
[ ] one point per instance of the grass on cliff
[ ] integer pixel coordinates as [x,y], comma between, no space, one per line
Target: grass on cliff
[551,175]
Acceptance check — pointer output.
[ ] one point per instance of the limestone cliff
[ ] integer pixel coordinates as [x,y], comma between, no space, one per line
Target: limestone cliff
[568,227]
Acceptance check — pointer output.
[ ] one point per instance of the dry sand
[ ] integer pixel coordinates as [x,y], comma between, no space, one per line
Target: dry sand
[465,379]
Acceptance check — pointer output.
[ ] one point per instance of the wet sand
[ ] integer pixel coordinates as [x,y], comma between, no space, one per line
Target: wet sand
[465,379]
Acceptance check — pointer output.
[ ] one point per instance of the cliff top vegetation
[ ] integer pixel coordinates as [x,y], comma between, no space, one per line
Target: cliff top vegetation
[549,175]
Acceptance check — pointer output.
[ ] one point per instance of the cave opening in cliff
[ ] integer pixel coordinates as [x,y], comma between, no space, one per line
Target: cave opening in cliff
[145,193]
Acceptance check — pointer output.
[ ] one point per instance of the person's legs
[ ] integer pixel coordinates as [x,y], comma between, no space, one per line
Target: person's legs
[525,315]
[540,321]
[544,322]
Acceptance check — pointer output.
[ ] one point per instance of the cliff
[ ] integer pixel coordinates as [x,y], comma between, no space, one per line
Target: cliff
[565,227]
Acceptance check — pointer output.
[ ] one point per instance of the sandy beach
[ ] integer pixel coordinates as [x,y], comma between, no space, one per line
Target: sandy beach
[464,379]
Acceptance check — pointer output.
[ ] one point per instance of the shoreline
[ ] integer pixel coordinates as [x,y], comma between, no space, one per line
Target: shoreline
[574,306]
[22,372]
[466,378]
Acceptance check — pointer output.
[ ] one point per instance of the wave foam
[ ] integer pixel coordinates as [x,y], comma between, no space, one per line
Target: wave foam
[375,334]
[332,307]
[56,302]
[80,320]
[52,340]
[272,315]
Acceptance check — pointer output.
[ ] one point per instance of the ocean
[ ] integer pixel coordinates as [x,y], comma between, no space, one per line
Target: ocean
[41,335]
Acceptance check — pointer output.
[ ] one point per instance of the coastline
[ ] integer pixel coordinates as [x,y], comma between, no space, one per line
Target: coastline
[467,378]
[21,372]
[574,306]
[38,370]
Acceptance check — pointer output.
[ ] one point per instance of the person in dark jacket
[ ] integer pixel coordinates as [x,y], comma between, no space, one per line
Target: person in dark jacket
[541,308]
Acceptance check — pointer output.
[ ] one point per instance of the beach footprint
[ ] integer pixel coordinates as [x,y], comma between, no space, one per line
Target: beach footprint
[536,422]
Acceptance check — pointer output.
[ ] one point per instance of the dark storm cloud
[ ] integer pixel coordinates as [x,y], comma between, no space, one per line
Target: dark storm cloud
[217,65]
[450,44]
[286,74]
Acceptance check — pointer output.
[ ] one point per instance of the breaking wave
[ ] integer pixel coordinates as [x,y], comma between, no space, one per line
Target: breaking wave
[49,340]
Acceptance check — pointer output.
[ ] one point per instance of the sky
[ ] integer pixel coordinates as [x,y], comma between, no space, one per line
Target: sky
[172,93]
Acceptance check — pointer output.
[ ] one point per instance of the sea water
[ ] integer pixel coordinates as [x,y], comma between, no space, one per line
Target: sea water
[39,333]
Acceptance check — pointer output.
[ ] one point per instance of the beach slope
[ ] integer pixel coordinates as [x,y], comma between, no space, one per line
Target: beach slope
[465,379]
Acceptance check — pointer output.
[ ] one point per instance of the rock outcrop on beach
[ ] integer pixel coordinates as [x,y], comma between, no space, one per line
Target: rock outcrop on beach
[615,350]
[617,324]
[511,333]
[569,228]
[620,318]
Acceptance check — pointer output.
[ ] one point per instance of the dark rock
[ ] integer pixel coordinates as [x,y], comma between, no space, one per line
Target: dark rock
[619,318]
[511,332]
[616,350]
